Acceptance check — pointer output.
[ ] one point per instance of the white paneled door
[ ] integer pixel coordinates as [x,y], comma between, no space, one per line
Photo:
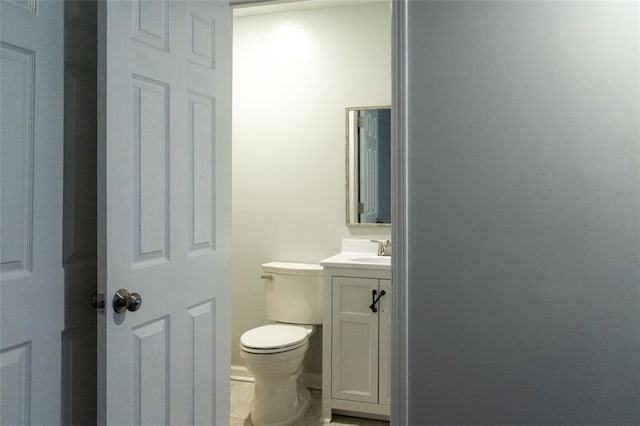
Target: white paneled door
[31,152]
[164,151]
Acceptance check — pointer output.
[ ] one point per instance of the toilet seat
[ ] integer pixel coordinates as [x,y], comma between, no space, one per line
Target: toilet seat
[275,338]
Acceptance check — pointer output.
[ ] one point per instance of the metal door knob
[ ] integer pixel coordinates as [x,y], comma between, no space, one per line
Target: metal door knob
[123,300]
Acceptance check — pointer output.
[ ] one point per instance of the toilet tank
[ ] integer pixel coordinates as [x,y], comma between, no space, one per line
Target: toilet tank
[293,292]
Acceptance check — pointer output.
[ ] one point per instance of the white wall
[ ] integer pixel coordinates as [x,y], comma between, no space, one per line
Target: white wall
[294,73]
[524,212]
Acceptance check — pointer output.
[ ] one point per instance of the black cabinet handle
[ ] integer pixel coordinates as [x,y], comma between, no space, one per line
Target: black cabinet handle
[375,299]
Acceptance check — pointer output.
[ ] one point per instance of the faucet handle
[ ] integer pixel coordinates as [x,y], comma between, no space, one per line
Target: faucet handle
[384,247]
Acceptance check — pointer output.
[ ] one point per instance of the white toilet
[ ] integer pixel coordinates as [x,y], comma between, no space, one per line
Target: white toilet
[274,353]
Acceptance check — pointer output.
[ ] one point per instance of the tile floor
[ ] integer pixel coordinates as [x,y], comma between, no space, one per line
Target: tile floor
[242,395]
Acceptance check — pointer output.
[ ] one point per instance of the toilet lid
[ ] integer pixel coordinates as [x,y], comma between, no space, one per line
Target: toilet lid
[275,336]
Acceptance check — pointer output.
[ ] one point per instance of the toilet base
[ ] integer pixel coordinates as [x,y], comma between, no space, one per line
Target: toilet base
[279,397]
[304,399]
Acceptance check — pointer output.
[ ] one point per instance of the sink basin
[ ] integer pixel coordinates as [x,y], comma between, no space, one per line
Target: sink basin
[378,260]
[358,254]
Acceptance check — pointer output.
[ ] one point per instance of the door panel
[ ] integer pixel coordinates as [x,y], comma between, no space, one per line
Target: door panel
[151,373]
[31,150]
[164,203]
[354,335]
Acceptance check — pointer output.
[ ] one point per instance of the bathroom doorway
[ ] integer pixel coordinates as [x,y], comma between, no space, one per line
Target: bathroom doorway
[297,66]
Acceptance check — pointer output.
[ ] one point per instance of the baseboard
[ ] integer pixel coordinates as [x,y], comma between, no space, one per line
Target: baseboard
[240,373]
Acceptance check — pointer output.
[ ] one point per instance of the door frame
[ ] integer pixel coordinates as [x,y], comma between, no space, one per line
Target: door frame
[399,212]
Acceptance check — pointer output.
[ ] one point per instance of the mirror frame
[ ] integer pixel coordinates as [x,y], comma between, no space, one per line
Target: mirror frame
[348,171]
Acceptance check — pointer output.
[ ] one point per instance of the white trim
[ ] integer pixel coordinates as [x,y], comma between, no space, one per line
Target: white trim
[400,313]
[241,374]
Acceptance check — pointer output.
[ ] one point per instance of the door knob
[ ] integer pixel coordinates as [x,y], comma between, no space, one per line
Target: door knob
[123,300]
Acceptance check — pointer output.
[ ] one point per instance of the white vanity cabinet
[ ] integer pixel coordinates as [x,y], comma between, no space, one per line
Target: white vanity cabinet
[356,341]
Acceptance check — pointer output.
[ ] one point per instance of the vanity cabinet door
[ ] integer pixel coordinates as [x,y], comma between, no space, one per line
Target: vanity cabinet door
[385,342]
[354,340]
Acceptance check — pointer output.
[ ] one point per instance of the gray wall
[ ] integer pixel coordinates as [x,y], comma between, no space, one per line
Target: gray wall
[524,213]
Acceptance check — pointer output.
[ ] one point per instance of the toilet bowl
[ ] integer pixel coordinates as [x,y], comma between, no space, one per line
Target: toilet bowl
[274,353]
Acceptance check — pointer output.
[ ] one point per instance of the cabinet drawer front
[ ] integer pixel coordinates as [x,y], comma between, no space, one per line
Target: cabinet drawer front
[354,342]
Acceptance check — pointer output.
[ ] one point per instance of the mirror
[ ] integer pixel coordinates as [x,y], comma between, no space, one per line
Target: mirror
[368,165]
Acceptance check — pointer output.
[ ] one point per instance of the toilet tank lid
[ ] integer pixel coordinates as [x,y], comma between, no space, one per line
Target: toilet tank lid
[292,268]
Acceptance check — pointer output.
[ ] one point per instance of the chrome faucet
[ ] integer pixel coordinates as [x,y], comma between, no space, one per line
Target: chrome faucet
[384,247]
